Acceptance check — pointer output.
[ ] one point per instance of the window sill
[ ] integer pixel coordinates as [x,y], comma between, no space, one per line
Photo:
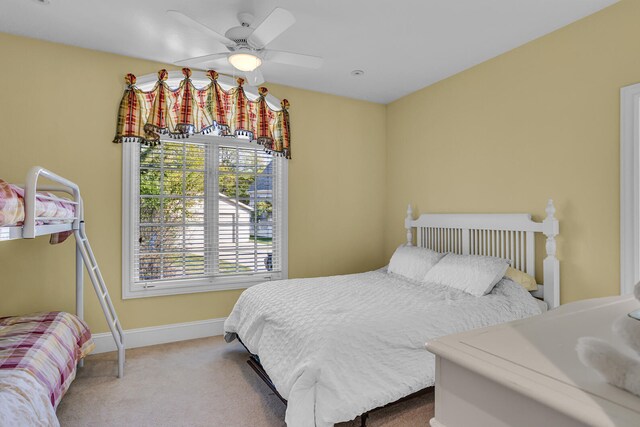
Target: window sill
[180,288]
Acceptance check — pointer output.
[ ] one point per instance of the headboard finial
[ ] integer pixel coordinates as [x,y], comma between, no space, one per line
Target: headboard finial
[551,227]
[551,209]
[408,225]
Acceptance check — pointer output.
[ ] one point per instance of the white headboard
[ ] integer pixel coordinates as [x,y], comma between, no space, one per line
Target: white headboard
[509,236]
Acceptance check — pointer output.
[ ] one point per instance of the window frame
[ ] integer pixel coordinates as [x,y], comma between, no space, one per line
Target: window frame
[130,219]
[629,188]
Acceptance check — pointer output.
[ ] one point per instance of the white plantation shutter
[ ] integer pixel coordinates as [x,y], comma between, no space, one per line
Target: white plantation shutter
[245,217]
[205,212]
[171,241]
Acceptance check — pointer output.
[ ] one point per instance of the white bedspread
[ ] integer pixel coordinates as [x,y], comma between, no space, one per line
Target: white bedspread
[336,347]
[24,401]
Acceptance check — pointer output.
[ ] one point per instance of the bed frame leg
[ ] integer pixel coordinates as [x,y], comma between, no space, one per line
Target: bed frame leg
[363,419]
[79,290]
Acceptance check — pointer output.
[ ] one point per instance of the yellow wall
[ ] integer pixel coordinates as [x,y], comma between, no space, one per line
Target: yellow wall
[540,121]
[58,109]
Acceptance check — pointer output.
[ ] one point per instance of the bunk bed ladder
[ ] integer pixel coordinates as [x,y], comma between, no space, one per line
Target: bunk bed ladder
[95,275]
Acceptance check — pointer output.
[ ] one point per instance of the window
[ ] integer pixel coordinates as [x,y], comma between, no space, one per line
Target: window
[200,214]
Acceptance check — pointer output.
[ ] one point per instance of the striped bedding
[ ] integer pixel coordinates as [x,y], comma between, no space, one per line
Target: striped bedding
[12,209]
[38,358]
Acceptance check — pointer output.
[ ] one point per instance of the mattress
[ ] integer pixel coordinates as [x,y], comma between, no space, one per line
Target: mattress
[336,347]
[38,358]
[48,211]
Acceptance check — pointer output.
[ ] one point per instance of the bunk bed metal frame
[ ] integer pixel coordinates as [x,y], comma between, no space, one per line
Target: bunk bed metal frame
[84,254]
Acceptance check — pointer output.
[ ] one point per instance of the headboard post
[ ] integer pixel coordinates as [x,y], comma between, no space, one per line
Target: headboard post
[408,225]
[551,264]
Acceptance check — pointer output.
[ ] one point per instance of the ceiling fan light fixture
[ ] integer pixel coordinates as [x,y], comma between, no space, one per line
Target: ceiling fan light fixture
[244,61]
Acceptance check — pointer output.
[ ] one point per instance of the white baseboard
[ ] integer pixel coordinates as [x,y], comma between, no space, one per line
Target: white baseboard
[162,334]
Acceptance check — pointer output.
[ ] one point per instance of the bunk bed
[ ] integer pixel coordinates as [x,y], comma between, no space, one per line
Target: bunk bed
[39,353]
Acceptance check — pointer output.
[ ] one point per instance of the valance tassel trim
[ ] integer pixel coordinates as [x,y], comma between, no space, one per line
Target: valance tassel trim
[187,110]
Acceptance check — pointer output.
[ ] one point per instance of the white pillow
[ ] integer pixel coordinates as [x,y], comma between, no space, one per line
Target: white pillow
[413,262]
[474,274]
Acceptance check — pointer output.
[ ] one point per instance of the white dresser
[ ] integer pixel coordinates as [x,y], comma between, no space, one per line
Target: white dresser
[527,373]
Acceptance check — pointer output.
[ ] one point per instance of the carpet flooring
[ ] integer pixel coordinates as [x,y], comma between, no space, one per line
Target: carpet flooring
[204,382]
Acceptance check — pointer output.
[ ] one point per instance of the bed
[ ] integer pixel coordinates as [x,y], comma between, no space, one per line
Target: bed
[53,215]
[36,209]
[38,358]
[337,347]
[39,353]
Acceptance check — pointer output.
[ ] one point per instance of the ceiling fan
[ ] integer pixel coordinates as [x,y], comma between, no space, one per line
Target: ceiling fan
[245,44]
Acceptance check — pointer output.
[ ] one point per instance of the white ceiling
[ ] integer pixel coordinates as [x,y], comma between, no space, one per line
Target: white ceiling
[402,45]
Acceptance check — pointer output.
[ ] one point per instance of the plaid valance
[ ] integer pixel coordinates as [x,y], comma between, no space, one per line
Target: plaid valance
[187,110]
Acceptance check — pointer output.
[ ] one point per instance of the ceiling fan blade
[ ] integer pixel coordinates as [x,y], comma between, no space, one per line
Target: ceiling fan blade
[278,21]
[201,59]
[290,58]
[254,77]
[188,21]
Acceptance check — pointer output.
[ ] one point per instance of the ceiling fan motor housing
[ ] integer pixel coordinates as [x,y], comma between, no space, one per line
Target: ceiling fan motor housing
[239,35]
